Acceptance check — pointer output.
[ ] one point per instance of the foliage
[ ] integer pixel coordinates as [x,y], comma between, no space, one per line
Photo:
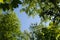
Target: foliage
[9,26]
[9,23]
[1,1]
[47,9]
[44,33]
[25,35]
[9,4]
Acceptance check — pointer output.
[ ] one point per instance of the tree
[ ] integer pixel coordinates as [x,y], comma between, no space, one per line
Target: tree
[9,23]
[44,33]
[9,26]
[25,35]
[47,9]
[9,4]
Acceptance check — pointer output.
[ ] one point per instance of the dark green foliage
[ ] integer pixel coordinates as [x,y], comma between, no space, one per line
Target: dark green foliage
[10,5]
[45,33]
[9,27]
[15,3]
[4,6]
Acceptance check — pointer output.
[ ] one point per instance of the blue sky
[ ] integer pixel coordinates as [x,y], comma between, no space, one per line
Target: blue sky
[25,20]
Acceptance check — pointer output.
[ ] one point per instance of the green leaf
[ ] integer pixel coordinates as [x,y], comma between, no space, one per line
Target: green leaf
[1,1]
[8,1]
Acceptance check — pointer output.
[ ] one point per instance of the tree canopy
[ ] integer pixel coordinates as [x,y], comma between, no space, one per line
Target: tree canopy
[40,32]
[47,9]
[9,26]
[9,4]
[9,23]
